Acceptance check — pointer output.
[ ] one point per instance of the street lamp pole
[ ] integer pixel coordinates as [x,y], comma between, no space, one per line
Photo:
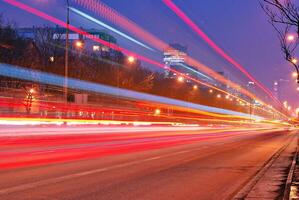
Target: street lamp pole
[65,87]
[250,100]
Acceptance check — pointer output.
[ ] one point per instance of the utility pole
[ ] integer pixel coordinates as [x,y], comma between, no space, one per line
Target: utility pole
[250,100]
[65,87]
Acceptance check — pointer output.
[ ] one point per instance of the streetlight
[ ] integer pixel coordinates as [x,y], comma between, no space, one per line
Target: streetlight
[181,79]
[294,60]
[218,96]
[195,87]
[157,111]
[252,83]
[79,44]
[131,59]
[211,91]
[294,74]
[290,37]
[31,91]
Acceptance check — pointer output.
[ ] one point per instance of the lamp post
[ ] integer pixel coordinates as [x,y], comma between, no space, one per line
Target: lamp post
[65,89]
[250,99]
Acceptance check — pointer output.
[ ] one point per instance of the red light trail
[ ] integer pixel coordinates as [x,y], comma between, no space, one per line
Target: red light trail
[214,46]
[112,46]
[111,15]
[49,149]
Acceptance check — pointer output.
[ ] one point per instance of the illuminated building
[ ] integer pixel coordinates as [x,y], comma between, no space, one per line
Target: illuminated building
[58,35]
[175,56]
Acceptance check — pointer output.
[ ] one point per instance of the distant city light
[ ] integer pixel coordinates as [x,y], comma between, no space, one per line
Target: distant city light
[285,104]
[218,96]
[195,87]
[227,96]
[211,91]
[96,48]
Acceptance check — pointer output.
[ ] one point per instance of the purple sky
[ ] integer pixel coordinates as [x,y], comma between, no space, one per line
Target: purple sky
[239,27]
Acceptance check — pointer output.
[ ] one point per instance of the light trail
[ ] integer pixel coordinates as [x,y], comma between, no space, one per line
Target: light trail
[194,71]
[214,46]
[47,149]
[115,47]
[198,117]
[82,14]
[111,15]
[51,79]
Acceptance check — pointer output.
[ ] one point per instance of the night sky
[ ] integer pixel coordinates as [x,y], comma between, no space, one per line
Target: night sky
[238,27]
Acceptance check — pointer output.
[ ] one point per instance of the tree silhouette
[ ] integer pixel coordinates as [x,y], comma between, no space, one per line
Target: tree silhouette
[284,17]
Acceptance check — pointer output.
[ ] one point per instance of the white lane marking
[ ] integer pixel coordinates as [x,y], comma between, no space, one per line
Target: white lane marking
[100,130]
[76,175]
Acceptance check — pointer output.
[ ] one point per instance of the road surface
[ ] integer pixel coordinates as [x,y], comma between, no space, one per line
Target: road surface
[189,163]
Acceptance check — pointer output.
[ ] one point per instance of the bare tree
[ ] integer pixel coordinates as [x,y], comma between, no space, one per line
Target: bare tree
[49,41]
[284,17]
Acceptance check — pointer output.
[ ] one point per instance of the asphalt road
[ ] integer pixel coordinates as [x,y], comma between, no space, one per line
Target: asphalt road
[184,164]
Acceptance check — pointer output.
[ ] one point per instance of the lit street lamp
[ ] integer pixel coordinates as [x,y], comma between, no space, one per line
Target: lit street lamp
[31,91]
[79,44]
[294,74]
[52,59]
[290,37]
[131,59]
[181,79]
[294,61]
[195,87]
[157,111]
[285,104]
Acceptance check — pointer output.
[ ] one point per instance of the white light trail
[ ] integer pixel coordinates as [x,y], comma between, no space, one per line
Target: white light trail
[109,27]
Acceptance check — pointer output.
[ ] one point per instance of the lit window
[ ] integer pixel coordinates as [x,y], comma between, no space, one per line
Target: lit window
[104,48]
[96,48]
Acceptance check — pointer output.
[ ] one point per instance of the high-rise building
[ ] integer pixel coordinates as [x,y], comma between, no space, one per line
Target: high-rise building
[175,58]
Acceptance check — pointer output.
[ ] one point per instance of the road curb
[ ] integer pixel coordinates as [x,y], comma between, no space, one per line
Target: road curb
[288,184]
